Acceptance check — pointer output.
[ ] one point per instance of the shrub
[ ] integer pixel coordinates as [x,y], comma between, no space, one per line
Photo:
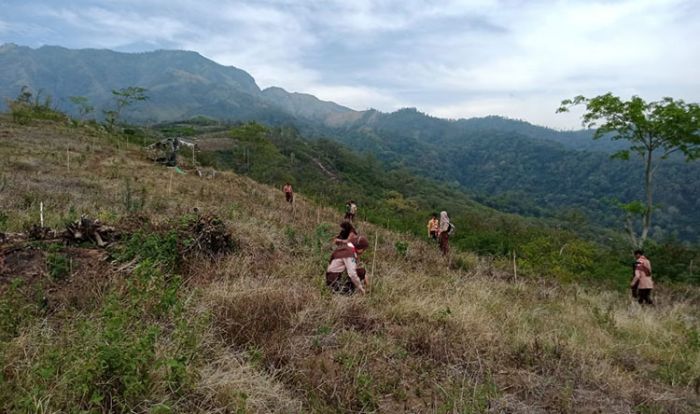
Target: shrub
[58,264]
[160,249]
[27,107]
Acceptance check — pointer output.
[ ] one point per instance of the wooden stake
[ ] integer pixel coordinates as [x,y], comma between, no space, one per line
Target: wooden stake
[374,258]
[68,159]
[41,213]
[515,267]
[690,269]
[170,182]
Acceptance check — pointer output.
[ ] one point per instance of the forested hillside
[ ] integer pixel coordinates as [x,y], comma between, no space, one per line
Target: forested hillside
[516,167]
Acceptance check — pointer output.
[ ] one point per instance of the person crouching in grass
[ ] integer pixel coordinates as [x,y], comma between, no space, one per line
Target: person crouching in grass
[344,260]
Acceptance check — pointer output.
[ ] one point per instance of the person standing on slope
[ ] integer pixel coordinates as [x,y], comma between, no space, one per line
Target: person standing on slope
[288,192]
[344,259]
[445,229]
[433,227]
[350,210]
[642,278]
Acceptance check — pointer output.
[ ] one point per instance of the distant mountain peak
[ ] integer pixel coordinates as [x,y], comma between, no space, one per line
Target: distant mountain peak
[181,84]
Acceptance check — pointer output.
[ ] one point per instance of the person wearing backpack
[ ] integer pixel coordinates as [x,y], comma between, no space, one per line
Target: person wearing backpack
[642,278]
[446,228]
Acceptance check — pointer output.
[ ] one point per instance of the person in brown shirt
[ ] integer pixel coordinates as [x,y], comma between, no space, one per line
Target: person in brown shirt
[344,259]
[642,278]
[288,192]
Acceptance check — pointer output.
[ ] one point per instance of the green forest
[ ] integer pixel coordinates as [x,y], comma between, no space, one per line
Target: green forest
[517,167]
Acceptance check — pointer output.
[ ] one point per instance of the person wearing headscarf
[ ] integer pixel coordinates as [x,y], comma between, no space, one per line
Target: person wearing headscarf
[445,227]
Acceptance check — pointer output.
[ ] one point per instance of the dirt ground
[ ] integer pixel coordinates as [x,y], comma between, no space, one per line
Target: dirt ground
[24,266]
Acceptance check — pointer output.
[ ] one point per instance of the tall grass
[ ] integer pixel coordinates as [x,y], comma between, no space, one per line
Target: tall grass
[257,331]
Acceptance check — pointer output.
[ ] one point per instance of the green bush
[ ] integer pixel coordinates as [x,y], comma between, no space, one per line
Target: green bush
[401,248]
[161,249]
[27,107]
[58,265]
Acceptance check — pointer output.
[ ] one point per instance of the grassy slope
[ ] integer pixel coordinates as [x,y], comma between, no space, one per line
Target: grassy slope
[270,338]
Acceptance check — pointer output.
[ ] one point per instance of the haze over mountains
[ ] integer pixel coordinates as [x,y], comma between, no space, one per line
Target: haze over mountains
[509,164]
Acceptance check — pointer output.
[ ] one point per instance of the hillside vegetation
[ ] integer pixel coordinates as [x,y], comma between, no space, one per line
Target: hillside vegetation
[148,326]
[567,247]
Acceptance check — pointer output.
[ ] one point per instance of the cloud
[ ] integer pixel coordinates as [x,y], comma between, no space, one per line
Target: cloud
[457,58]
[536,109]
[358,98]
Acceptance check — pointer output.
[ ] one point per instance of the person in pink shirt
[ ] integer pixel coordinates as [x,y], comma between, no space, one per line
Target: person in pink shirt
[642,278]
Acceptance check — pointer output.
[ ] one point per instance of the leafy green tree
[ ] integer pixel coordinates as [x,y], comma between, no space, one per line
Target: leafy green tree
[83,104]
[123,97]
[654,131]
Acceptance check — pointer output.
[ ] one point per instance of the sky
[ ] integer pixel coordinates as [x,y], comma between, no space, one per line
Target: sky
[448,58]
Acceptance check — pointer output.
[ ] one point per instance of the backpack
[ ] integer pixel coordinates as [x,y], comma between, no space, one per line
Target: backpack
[450,229]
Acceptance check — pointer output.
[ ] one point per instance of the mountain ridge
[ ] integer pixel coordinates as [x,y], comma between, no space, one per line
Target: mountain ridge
[330,113]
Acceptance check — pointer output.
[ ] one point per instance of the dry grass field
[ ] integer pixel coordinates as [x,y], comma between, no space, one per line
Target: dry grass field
[256,331]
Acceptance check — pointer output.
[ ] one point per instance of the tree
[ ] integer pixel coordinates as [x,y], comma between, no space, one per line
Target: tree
[123,97]
[83,104]
[654,131]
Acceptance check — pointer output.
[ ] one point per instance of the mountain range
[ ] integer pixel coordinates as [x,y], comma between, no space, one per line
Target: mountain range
[508,164]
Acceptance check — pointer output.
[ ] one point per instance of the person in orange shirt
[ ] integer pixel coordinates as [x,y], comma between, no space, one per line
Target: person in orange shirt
[642,278]
[433,227]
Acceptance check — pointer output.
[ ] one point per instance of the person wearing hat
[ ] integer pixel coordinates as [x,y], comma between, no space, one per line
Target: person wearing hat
[344,259]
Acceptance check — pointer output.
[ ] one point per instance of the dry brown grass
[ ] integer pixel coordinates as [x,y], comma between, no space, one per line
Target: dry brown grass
[428,338]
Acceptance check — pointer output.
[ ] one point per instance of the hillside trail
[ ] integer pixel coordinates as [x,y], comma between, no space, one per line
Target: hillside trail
[429,338]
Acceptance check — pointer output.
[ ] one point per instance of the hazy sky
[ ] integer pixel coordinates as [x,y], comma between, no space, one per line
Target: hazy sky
[449,58]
